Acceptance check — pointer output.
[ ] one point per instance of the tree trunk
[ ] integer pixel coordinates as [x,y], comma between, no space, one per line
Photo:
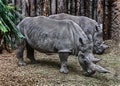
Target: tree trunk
[69,6]
[82,7]
[32,7]
[38,7]
[115,27]
[53,6]
[45,8]
[24,13]
[65,6]
[60,7]
[18,5]
[1,42]
[100,12]
[73,9]
[87,8]
[78,7]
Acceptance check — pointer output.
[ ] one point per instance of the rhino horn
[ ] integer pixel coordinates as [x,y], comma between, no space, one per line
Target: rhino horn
[100,69]
[105,46]
[95,60]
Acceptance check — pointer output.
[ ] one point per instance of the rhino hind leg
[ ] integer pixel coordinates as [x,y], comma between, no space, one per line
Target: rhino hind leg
[30,53]
[19,53]
[63,59]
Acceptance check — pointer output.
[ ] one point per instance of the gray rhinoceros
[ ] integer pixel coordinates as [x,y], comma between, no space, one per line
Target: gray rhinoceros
[90,27]
[56,36]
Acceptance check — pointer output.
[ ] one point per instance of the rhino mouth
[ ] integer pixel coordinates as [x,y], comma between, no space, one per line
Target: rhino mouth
[98,49]
[89,73]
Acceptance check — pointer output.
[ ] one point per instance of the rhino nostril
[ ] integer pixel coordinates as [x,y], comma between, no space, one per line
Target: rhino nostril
[89,72]
[82,57]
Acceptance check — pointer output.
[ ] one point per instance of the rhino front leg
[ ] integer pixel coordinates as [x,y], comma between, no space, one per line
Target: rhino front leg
[63,59]
[19,53]
[30,53]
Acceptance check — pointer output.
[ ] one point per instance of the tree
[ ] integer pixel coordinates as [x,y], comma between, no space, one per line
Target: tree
[8,30]
[115,20]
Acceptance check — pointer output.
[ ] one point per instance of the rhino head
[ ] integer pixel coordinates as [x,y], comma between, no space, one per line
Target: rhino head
[88,66]
[99,48]
[99,45]
[88,61]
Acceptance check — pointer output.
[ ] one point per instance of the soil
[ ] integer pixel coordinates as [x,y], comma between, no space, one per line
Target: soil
[46,71]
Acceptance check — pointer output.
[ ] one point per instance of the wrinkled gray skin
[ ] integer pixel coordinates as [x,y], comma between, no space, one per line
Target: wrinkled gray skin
[56,36]
[90,27]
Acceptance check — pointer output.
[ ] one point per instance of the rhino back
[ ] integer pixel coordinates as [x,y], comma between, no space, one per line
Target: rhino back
[63,16]
[49,35]
[88,25]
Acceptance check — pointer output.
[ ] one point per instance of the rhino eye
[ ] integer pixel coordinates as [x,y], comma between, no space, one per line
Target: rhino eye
[82,56]
[97,43]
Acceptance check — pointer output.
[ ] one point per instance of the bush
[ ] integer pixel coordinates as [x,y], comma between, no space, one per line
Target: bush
[8,28]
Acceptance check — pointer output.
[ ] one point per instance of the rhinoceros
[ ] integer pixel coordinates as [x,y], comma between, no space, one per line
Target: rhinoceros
[56,36]
[91,28]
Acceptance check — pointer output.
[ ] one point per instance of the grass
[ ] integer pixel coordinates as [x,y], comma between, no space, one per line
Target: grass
[46,71]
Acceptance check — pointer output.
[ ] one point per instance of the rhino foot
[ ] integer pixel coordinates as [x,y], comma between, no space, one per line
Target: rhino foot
[64,70]
[34,62]
[21,63]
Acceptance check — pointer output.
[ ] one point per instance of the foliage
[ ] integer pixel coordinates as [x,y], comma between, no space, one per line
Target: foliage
[7,23]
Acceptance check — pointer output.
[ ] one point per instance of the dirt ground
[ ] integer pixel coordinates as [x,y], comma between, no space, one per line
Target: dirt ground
[46,71]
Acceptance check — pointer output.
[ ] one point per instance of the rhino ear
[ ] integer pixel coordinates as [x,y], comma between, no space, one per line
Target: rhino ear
[81,41]
[90,38]
[97,28]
